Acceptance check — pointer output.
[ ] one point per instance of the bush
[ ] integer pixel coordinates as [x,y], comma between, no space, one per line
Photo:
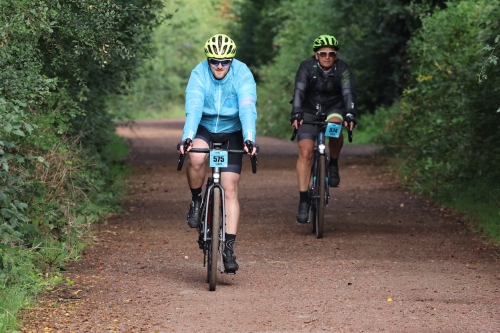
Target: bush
[448,126]
[448,121]
[61,61]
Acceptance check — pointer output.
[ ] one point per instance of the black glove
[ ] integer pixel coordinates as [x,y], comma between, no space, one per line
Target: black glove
[350,119]
[296,116]
[185,143]
[251,145]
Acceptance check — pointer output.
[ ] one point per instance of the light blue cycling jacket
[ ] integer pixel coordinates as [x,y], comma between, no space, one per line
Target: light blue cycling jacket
[221,106]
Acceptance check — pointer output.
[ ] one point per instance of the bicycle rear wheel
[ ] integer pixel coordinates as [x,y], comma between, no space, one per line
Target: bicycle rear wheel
[213,252]
[320,206]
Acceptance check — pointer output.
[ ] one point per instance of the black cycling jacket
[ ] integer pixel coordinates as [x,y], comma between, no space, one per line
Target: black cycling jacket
[316,91]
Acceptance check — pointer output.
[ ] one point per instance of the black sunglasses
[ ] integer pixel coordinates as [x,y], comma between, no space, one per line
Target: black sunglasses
[324,53]
[216,62]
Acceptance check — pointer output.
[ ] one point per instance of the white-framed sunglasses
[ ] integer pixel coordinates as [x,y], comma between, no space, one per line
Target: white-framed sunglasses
[323,54]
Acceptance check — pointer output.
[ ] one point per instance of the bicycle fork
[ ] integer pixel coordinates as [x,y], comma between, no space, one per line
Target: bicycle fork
[208,223]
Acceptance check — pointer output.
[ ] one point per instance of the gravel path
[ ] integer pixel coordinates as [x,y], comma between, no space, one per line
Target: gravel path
[388,262]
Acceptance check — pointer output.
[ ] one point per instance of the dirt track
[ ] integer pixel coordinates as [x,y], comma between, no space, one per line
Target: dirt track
[389,262]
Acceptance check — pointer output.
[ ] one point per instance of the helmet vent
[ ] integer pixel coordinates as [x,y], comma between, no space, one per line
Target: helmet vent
[220,46]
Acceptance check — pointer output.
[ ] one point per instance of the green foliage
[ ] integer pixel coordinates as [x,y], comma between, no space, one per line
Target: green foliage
[490,60]
[171,110]
[448,125]
[447,120]
[19,279]
[14,298]
[179,46]
[257,23]
[491,50]
[375,45]
[373,128]
[480,201]
[60,60]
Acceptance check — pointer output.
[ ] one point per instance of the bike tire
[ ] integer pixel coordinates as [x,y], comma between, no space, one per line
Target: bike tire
[313,202]
[214,244]
[313,218]
[320,207]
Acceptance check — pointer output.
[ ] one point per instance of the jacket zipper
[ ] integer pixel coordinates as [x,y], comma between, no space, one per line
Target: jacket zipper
[218,109]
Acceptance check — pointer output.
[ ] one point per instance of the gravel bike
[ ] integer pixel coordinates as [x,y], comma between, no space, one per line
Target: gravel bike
[212,230]
[319,191]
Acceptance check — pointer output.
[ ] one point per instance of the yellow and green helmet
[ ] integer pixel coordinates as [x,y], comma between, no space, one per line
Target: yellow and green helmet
[325,41]
[220,46]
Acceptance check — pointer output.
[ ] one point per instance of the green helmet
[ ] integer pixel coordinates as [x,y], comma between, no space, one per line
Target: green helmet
[220,46]
[325,41]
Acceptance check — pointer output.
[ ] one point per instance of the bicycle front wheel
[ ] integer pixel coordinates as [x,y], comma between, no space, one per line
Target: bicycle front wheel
[320,207]
[213,252]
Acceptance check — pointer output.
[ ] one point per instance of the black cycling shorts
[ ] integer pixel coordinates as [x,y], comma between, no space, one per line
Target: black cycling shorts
[310,131]
[231,141]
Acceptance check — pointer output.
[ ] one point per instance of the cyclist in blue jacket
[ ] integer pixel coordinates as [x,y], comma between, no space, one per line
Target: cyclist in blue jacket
[220,106]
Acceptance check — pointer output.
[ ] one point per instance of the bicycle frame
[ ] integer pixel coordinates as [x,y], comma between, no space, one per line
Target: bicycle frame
[213,182]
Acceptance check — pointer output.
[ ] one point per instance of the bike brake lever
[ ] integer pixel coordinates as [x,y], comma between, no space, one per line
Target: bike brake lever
[180,161]
[254,161]
[349,132]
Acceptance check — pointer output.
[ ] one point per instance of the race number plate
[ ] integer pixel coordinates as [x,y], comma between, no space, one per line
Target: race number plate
[333,130]
[218,159]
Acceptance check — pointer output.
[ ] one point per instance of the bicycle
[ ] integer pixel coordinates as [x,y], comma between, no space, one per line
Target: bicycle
[212,231]
[318,191]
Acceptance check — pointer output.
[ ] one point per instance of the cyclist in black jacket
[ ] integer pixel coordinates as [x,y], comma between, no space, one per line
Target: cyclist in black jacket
[324,85]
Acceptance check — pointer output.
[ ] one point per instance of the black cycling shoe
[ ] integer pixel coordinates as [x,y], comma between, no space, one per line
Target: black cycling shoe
[303,214]
[193,217]
[230,265]
[333,178]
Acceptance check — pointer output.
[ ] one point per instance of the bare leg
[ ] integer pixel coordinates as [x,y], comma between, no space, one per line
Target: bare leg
[195,170]
[336,145]
[229,181]
[304,163]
